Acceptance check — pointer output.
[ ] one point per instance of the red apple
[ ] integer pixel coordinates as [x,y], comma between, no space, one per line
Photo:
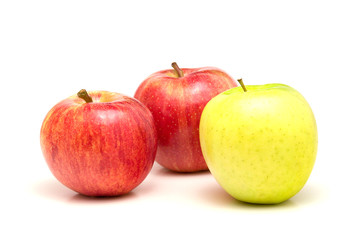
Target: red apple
[99,143]
[176,98]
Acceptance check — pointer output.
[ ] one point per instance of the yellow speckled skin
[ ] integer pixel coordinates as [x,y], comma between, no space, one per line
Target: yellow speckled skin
[260,145]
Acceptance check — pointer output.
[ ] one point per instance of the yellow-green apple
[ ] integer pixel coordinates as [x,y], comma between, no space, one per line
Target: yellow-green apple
[99,143]
[260,142]
[176,98]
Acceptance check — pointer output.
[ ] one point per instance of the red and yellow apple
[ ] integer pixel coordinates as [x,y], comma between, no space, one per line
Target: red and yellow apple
[99,143]
[176,98]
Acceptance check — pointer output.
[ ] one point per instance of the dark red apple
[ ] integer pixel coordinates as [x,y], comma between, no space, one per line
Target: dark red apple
[99,143]
[176,98]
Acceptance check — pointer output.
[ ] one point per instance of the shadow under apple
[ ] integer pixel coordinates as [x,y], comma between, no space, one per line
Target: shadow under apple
[216,196]
[161,171]
[82,199]
[53,190]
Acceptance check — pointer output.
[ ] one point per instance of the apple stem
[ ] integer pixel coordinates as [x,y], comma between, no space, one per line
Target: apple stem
[84,95]
[242,84]
[178,71]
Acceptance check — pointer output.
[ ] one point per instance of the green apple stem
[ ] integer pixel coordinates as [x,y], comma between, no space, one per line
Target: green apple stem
[242,84]
[84,95]
[178,71]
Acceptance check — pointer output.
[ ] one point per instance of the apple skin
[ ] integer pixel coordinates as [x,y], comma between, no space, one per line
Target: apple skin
[103,148]
[260,145]
[176,104]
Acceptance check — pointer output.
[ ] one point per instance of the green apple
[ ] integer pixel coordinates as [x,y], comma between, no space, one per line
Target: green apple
[259,142]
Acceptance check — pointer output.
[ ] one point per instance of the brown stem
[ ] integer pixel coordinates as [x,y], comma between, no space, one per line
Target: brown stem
[242,84]
[178,71]
[84,95]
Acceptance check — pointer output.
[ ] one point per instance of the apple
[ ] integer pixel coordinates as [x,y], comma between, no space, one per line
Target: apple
[176,98]
[99,143]
[260,142]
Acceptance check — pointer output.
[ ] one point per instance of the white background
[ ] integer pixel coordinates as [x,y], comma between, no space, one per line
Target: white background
[49,50]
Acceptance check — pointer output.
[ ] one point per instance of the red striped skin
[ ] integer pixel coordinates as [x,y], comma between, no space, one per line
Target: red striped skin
[103,148]
[176,105]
